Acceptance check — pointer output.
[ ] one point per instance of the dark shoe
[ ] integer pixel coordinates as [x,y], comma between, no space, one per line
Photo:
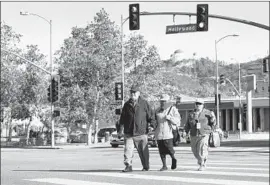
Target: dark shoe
[145,169]
[164,168]
[174,164]
[127,169]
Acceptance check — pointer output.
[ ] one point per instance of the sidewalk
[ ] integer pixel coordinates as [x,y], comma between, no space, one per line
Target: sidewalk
[233,139]
[57,146]
[247,136]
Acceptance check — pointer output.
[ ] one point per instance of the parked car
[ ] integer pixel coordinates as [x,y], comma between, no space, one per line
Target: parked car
[182,138]
[115,141]
[78,137]
[102,132]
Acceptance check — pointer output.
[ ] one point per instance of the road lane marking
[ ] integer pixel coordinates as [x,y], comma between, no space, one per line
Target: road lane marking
[226,163]
[222,167]
[194,171]
[69,181]
[177,179]
[224,173]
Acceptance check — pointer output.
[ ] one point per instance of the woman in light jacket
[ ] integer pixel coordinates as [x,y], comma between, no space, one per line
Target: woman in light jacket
[167,117]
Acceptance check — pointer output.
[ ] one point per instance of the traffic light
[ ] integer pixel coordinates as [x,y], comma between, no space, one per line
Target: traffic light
[119,91]
[55,90]
[266,65]
[222,79]
[55,86]
[118,111]
[202,17]
[49,94]
[218,99]
[134,17]
[244,108]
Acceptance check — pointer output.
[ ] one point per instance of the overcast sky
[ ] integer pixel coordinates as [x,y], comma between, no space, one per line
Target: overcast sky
[252,43]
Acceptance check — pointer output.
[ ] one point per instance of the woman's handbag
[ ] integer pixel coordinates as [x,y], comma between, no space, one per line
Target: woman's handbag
[214,139]
[175,131]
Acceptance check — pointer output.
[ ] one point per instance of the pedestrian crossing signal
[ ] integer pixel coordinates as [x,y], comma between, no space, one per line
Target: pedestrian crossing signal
[118,111]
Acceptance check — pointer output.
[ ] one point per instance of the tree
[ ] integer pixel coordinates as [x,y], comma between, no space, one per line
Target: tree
[90,60]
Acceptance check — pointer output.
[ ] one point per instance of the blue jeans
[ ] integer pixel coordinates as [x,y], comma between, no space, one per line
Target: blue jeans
[141,144]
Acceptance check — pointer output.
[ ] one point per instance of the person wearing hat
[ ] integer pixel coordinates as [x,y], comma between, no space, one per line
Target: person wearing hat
[134,120]
[200,123]
[167,117]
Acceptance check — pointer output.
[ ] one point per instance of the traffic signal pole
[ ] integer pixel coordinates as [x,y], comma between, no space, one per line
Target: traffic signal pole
[212,16]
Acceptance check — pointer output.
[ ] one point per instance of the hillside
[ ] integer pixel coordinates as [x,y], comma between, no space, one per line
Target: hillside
[179,79]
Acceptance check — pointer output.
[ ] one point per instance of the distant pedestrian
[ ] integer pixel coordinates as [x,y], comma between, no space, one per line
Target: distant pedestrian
[134,120]
[200,123]
[167,117]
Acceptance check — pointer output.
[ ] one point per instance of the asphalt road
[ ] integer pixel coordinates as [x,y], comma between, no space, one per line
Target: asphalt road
[102,165]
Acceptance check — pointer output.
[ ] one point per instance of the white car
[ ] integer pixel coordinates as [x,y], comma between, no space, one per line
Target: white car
[115,141]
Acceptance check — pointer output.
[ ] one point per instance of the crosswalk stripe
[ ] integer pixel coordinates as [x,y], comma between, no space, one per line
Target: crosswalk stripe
[222,167]
[177,179]
[224,173]
[241,174]
[69,181]
[227,163]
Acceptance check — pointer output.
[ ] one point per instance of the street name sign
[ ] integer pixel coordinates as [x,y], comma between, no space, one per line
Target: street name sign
[181,28]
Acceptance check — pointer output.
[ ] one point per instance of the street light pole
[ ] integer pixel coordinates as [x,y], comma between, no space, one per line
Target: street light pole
[51,62]
[122,58]
[240,104]
[51,66]
[217,82]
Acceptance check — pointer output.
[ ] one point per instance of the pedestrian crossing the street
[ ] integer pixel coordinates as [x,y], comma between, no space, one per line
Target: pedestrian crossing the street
[227,170]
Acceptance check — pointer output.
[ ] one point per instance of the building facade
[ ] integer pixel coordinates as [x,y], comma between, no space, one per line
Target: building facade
[229,113]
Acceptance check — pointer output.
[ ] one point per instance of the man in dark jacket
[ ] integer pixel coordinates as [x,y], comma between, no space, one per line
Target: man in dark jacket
[135,116]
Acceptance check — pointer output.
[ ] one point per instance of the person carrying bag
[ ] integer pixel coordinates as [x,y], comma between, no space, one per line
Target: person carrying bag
[166,116]
[175,130]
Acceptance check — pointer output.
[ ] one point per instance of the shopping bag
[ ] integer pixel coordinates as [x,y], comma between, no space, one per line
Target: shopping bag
[214,139]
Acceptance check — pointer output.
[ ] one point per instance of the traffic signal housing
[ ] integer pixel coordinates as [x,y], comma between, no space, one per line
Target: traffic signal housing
[118,111]
[134,17]
[266,65]
[54,89]
[244,108]
[222,80]
[56,112]
[49,94]
[119,91]
[202,17]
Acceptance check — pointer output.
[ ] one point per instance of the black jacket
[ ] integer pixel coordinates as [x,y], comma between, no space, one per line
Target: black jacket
[134,120]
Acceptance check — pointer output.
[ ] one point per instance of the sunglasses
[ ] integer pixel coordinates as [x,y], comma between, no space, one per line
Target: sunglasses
[198,103]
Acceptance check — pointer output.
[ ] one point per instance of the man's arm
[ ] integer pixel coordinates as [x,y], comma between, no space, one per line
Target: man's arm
[187,125]
[122,121]
[150,115]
